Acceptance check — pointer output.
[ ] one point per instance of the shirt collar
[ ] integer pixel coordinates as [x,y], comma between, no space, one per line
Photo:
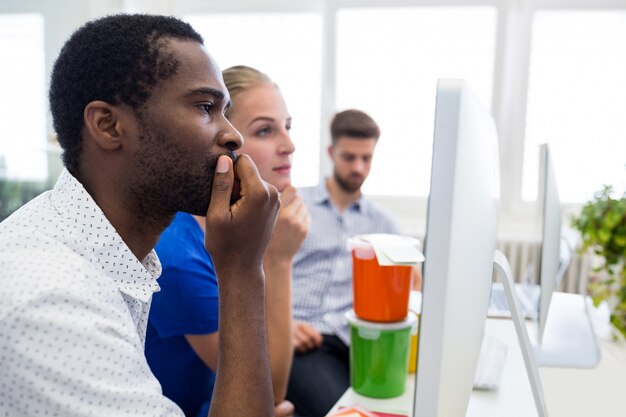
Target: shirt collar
[98,241]
[321,196]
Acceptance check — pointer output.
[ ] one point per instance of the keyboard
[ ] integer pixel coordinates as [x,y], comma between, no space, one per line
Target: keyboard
[527,295]
[490,364]
[498,300]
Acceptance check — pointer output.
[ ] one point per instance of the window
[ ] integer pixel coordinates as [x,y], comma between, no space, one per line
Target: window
[393,78]
[288,48]
[577,101]
[23,101]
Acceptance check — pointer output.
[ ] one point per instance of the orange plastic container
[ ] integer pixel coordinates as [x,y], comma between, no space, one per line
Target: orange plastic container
[381,293]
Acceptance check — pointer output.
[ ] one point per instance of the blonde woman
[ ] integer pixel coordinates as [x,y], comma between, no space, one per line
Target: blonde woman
[181,345]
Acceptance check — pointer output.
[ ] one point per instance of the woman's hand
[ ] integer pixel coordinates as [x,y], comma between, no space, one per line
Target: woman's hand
[292,226]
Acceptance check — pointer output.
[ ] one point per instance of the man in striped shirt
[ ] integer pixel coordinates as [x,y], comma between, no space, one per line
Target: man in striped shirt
[322,275]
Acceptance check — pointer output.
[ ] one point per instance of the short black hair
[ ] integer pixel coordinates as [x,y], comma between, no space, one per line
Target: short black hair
[116,59]
[353,124]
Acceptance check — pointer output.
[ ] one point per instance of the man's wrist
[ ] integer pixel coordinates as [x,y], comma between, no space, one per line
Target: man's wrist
[235,272]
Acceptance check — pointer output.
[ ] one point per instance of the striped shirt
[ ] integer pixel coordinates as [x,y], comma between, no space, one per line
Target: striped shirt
[322,272]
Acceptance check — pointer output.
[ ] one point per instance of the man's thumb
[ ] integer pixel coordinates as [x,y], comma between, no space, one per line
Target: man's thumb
[222,184]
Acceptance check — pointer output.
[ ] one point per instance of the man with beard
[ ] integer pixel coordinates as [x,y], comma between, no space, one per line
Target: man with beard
[322,273]
[138,105]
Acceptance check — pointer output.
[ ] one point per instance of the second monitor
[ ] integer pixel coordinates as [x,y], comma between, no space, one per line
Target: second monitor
[564,336]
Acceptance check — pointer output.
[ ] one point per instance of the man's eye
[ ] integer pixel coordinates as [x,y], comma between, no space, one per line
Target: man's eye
[207,107]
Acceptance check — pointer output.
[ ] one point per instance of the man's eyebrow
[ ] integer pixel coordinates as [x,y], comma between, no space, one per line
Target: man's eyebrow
[206,91]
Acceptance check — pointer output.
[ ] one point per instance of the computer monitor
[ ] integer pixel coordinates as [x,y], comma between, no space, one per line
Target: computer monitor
[564,336]
[459,247]
[550,204]
[554,254]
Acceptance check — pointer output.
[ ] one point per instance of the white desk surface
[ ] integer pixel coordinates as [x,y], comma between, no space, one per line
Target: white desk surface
[568,392]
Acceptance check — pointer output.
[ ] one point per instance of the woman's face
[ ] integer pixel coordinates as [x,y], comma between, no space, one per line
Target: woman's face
[261,116]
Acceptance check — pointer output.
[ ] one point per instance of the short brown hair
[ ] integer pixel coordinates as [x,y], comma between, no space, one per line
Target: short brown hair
[354,124]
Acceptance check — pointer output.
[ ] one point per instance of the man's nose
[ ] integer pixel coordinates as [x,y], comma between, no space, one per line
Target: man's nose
[230,138]
[358,166]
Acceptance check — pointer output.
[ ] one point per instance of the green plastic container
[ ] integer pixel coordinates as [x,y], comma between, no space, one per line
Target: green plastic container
[379,356]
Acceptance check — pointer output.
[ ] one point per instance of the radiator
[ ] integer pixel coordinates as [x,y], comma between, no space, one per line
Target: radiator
[523,255]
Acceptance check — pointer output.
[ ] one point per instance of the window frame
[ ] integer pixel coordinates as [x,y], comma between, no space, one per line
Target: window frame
[509,91]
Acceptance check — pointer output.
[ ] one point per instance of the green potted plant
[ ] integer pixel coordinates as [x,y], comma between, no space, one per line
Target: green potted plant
[602,225]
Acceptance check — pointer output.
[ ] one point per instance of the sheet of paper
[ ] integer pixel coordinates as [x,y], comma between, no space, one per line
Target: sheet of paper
[394,249]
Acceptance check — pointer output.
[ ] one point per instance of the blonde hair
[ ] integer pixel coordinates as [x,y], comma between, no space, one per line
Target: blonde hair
[241,78]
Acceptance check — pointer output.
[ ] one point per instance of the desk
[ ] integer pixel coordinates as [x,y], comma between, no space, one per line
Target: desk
[588,392]
[568,392]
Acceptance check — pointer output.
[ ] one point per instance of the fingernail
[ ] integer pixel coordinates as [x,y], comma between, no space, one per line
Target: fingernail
[222,164]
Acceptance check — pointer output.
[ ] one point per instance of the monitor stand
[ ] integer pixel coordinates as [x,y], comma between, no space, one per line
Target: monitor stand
[568,338]
[503,268]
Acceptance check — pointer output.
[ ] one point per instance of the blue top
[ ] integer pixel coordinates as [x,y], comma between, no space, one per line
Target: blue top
[186,304]
[322,269]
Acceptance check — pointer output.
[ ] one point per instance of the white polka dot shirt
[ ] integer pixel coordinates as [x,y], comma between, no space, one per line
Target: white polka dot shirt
[74,305]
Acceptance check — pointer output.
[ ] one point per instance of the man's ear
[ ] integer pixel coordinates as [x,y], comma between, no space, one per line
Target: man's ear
[104,124]
[330,151]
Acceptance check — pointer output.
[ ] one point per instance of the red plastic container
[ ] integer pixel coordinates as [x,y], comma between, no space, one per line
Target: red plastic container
[381,293]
